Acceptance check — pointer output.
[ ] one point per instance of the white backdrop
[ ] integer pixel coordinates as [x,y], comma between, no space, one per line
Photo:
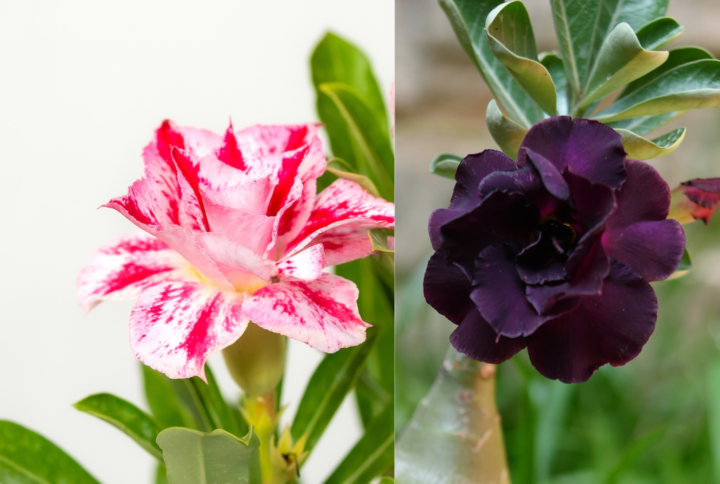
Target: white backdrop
[83,84]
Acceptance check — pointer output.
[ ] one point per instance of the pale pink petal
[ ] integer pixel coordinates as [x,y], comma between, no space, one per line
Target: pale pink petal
[306,265]
[176,326]
[191,208]
[123,268]
[243,267]
[200,142]
[344,204]
[252,231]
[344,244]
[322,313]
[249,196]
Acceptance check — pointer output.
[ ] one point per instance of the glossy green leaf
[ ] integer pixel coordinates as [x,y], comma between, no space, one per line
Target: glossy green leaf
[645,124]
[330,383]
[29,458]
[659,32]
[370,143]
[445,165]
[684,267]
[690,86]
[640,148]
[621,60]
[165,406]
[506,133]
[126,417]
[676,58]
[371,455]
[219,457]
[361,180]
[511,39]
[582,26]
[467,18]
[214,405]
[554,64]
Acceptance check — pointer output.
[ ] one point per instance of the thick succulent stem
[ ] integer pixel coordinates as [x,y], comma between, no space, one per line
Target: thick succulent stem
[455,435]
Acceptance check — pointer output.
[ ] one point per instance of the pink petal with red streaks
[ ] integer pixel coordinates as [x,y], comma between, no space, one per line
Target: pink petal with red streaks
[121,269]
[345,244]
[243,267]
[175,327]
[306,265]
[344,204]
[322,313]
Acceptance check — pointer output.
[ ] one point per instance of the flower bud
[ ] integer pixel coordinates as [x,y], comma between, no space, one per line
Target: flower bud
[256,361]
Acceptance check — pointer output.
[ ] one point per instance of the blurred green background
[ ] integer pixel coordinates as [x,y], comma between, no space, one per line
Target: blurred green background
[655,420]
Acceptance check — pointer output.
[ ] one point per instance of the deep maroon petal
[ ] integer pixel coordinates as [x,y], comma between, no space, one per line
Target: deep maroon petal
[550,175]
[499,294]
[589,148]
[500,218]
[478,340]
[472,170]
[637,233]
[447,289]
[607,328]
[645,196]
[525,181]
[438,218]
[652,249]
[593,203]
[540,262]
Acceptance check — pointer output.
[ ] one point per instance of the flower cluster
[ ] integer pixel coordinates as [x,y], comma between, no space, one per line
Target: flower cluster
[554,252]
[233,232]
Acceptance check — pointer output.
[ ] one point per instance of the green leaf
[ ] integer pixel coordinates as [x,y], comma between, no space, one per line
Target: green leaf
[659,32]
[371,455]
[512,40]
[506,133]
[387,480]
[445,165]
[684,267]
[332,380]
[640,148]
[690,86]
[645,124]
[551,412]
[676,58]
[165,405]
[379,240]
[371,147]
[219,457]
[361,180]
[467,18]
[29,458]
[214,405]
[161,474]
[126,417]
[621,60]
[582,25]
[554,64]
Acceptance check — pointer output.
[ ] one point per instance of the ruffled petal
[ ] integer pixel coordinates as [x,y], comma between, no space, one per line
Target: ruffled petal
[447,289]
[343,204]
[322,313]
[471,171]
[588,148]
[549,174]
[478,340]
[608,328]
[175,327]
[305,266]
[499,295]
[344,244]
[121,269]
[245,269]
[637,233]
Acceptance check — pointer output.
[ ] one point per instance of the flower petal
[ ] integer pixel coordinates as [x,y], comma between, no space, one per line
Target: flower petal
[589,148]
[123,268]
[344,244]
[343,204]
[322,313]
[549,174]
[608,328]
[175,327]
[305,266]
[447,289]
[637,233]
[696,199]
[478,340]
[245,269]
[471,171]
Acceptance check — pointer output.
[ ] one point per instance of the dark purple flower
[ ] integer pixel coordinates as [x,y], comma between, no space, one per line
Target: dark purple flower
[554,252]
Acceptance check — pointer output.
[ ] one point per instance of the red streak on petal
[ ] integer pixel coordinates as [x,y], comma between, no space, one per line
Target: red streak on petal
[199,339]
[339,311]
[190,172]
[168,138]
[286,179]
[230,153]
[131,274]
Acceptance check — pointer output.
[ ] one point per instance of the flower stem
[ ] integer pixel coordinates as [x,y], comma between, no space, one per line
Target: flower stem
[455,434]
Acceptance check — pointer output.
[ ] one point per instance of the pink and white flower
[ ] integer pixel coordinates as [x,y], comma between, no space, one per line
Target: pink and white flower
[233,232]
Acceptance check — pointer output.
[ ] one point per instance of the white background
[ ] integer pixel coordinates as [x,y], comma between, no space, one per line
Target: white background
[83,84]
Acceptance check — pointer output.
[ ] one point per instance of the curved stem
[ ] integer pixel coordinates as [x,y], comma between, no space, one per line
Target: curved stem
[455,434]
